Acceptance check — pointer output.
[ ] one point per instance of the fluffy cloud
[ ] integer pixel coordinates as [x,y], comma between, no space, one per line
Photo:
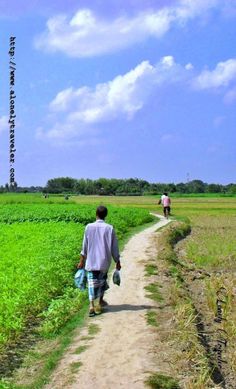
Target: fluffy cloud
[222,75]
[3,123]
[76,111]
[85,34]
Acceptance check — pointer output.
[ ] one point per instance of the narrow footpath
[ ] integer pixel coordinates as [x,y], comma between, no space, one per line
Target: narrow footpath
[121,354]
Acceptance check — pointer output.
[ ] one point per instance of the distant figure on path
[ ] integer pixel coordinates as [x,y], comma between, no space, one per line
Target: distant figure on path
[165,201]
[162,197]
[166,205]
[100,245]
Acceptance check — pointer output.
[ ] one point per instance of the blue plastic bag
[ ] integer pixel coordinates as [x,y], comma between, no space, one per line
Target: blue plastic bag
[81,279]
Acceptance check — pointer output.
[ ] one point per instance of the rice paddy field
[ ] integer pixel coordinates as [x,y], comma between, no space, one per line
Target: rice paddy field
[40,240]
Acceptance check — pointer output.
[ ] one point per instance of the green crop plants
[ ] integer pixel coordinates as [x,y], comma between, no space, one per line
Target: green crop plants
[39,247]
[33,270]
[60,310]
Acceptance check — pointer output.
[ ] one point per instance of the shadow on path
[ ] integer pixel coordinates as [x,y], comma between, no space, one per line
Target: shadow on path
[127,307]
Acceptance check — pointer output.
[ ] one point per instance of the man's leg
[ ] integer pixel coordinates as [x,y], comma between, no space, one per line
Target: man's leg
[91,309]
[100,303]
[103,303]
[90,278]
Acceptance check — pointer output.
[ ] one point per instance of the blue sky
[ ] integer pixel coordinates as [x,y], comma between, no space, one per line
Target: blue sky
[120,89]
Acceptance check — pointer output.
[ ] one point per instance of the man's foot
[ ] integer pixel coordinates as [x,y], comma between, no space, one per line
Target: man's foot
[98,309]
[103,303]
[91,312]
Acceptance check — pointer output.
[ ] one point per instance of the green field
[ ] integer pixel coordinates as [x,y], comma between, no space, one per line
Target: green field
[39,248]
[41,239]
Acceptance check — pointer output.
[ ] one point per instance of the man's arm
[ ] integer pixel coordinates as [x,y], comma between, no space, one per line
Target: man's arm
[115,250]
[83,254]
[81,263]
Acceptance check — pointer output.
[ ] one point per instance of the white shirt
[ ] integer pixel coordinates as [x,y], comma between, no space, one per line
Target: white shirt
[162,198]
[99,246]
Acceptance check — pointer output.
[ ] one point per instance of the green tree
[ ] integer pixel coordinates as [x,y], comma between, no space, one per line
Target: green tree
[60,185]
[181,188]
[214,188]
[196,186]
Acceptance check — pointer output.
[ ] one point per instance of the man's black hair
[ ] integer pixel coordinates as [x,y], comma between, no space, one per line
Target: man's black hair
[165,193]
[101,212]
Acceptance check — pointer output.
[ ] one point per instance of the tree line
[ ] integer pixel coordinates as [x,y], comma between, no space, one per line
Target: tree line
[122,187]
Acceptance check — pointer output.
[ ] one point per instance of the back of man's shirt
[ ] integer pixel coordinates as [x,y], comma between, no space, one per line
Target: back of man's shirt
[166,201]
[99,246]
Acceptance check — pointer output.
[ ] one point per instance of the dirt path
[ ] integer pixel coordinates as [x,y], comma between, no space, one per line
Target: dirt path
[121,354]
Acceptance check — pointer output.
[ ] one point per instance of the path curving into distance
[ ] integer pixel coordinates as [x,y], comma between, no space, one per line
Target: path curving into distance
[121,353]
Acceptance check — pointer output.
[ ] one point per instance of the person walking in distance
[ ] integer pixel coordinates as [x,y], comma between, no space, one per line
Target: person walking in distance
[100,245]
[161,198]
[166,204]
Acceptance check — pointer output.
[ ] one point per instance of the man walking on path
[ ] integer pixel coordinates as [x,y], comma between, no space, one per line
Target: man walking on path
[165,201]
[166,205]
[100,245]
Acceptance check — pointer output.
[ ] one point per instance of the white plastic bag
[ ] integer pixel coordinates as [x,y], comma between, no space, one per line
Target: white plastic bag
[81,279]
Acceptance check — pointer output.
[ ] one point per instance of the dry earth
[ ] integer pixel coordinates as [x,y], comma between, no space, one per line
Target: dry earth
[121,354]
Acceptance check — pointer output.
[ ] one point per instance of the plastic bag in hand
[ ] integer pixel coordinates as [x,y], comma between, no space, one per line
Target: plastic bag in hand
[81,279]
[116,277]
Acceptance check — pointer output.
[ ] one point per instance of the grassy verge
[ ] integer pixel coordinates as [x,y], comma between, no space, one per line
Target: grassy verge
[211,251]
[43,360]
[186,352]
[161,381]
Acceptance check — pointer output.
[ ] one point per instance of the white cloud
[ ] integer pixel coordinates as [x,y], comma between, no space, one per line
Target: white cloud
[189,66]
[85,34]
[74,112]
[79,112]
[3,123]
[222,75]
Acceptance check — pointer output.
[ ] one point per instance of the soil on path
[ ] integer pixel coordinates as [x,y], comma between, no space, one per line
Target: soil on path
[121,354]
